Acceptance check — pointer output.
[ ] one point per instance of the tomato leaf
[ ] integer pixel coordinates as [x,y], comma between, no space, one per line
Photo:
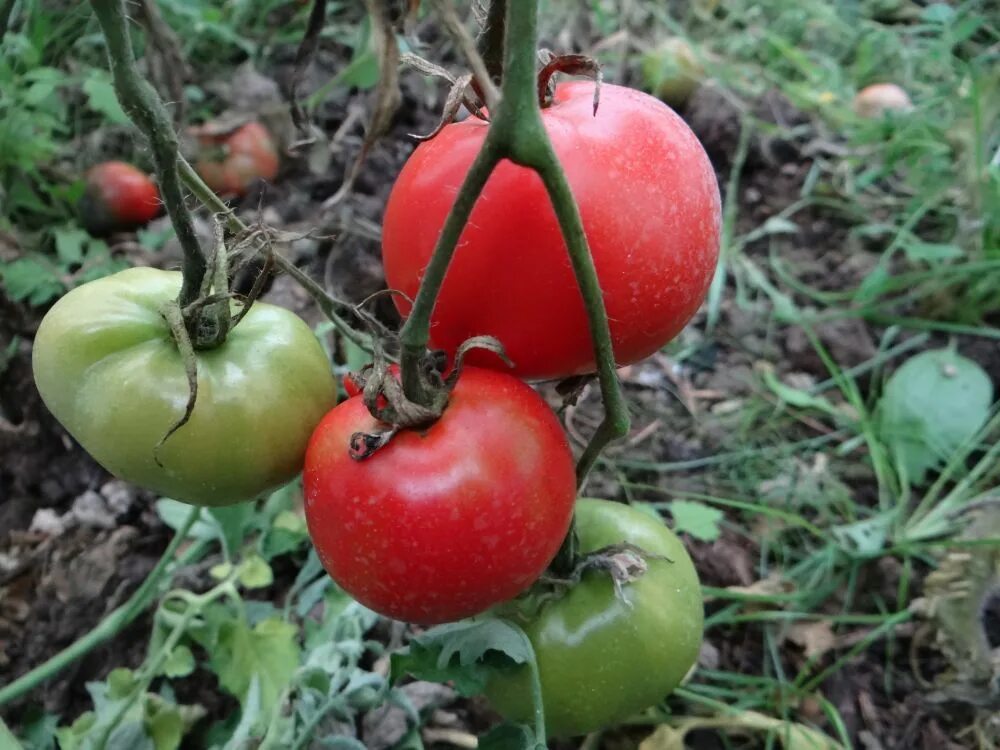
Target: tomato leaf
[464,652]
[268,652]
[697,519]
[937,401]
[179,662]
[101,97]
[32,280]
[231,523]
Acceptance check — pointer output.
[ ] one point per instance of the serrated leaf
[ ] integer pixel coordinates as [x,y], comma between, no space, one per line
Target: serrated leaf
[255,573]
[70,242]
[179,663]
[27,279]
[934,403]
[463,652]
[697,519]
[101,97]
[268,652]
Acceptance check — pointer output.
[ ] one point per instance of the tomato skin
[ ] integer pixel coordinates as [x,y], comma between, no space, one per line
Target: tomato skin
[442,524]
[108,370]
[879,99]
[650,206]
[117,197]
[249,154]
[601,660]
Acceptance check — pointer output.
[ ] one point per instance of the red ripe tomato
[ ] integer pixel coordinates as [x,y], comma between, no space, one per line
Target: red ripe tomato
[116,197]
[650,206]
[240,158]
[443,523]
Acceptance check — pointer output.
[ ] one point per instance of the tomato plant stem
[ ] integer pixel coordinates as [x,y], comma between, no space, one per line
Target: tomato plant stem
[517,133]
[147,111]
[491,39]
[108,627]
[326,302]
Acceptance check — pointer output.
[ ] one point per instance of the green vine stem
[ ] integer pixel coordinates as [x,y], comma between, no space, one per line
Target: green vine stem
[109,627]
[326,302]
[149,114]
[491,39]
[517,133]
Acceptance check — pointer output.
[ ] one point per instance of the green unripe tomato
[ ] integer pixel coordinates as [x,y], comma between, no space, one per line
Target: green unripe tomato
[602,659]
[107,368]
[672,71]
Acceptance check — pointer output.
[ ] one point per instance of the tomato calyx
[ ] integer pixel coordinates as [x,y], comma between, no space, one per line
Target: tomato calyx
[624,562]
[382,391]
[574,65]
[458,94]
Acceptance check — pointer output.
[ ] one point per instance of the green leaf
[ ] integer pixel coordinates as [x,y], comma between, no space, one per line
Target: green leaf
[932,405]
[101,97]
[7,740]
[931,251]
[697,519]
[70,242]
[179,662]
[121,683]
[31,280]
[269,652]
[38,729]
[795,397]
[255,573]
[130,735]
[165,725]
[464,652]
[232,522]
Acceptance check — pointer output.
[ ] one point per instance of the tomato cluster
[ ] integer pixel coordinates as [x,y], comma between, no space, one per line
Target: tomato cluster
[436,519]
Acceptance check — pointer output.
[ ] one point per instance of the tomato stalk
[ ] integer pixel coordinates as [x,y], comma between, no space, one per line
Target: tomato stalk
[147,111]
[108,628]
[491,40]
[517,133]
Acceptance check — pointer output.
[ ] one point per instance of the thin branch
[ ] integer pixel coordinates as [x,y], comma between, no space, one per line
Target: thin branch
[467,45]
[147,112]
[491,39]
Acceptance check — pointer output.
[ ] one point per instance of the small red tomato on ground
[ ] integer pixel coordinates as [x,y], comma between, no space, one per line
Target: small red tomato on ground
[650,206]
[881,98]
[117,197]
[442,523]
[231,163]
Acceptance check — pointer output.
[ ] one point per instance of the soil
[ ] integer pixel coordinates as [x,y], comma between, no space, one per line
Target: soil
[62,569]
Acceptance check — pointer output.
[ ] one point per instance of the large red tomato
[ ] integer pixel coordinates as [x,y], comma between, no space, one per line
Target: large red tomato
[443,523]
[117,196]
[650,206]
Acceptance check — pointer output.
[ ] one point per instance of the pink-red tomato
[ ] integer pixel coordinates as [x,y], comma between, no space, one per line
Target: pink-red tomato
[117,196]
[230,164]
[650,206]
[442,523]
[879,99]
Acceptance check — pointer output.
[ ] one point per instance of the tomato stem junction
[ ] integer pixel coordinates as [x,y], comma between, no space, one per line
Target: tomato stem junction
[516,132]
